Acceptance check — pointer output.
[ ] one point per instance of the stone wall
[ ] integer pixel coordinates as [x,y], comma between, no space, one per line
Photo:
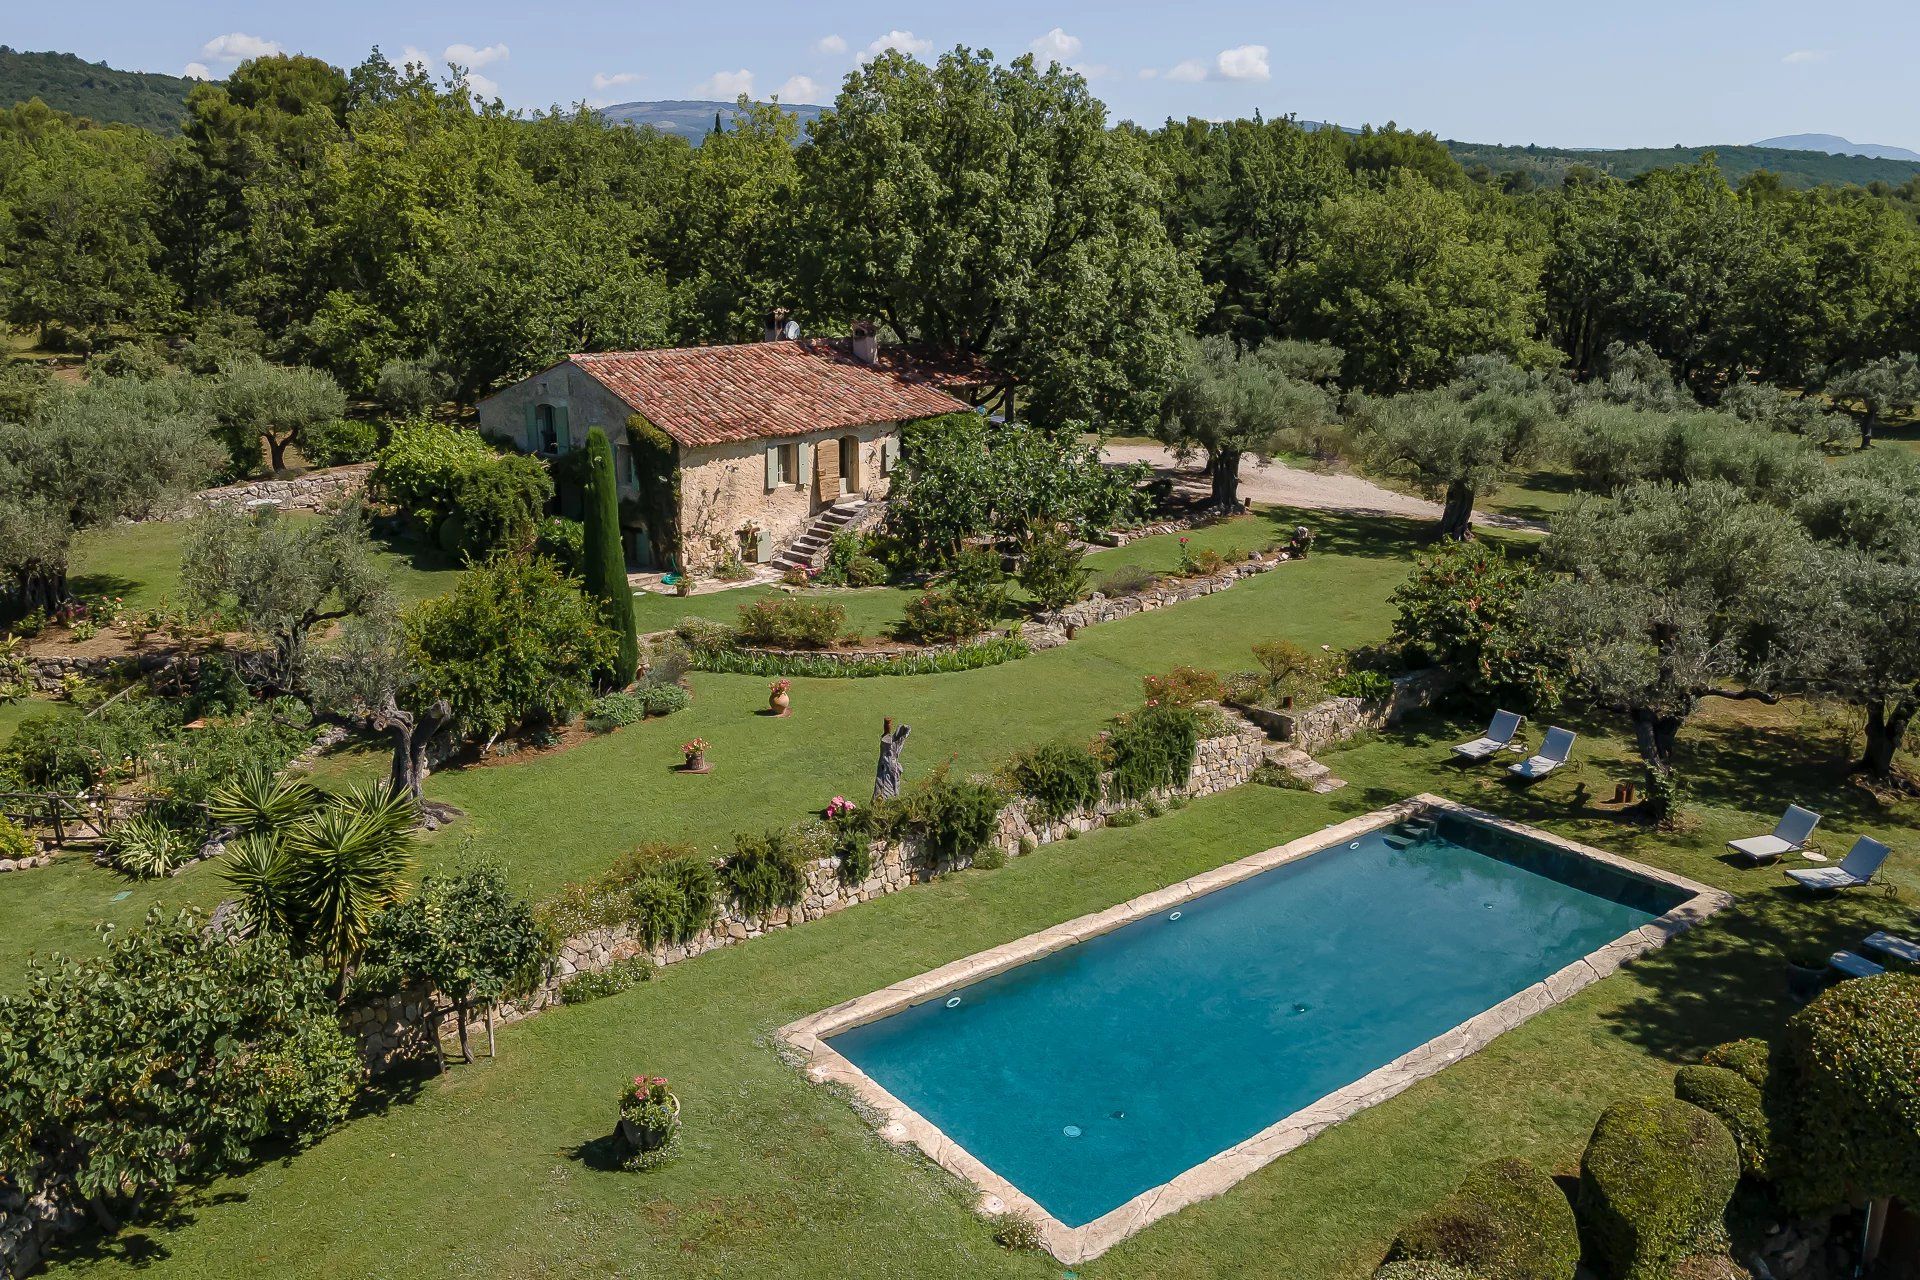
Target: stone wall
[1097,608]
[1335,720]
[723,488]
[27,1223]
[314,491]
[395,1029]
[45,672]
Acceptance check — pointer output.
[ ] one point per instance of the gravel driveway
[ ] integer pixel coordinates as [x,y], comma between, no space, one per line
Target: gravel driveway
[1276,482]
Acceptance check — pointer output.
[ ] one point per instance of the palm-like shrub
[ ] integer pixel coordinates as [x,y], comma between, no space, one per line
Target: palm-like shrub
[257,801]
[147,848]
[324,878]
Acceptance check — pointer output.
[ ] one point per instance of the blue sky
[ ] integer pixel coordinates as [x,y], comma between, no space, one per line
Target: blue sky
[1629,74]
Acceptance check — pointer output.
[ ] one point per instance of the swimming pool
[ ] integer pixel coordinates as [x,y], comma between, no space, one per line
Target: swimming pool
[1103,1073]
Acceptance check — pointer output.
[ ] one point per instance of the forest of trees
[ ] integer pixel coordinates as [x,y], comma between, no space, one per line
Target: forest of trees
[373,219]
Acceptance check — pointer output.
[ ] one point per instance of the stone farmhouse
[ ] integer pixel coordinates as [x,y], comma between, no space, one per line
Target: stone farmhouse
[743,450]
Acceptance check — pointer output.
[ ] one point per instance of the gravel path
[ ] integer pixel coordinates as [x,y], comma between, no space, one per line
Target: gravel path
[1276,482]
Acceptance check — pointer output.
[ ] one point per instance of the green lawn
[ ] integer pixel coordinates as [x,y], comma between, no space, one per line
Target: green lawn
[12,713]
[141,564]
[496,1169]
[620,790]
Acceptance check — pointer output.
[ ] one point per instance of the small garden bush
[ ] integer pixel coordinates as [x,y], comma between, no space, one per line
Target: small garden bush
[1058,778]
[1506,1221]
[1654,1184]
[849,565]
[953,818]
[1739,1105]
[1370,686]
[1125,580]
[1752,1058]
[764,872]
[470,498]
[610,981]
[14,843]
[940,617]
[336,443]
[147,848]
[564,542]
[606,900]
[1151,749]
[1181,687]
[790,622]
[1054,570]
[1845,1095]
[1464,608]
[1411,1269]
[704,635]
[617,710]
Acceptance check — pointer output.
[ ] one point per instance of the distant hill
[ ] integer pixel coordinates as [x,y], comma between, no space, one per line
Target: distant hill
[1835,145]
[93,89]
[692,118]
[1797,168]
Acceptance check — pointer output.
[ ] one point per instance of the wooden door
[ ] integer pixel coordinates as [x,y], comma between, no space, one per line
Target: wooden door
[826,473]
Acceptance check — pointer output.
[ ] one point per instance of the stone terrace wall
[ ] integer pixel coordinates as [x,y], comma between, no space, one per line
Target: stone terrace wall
[1098,608]
[1338,719]
[314,491]
[397,1028]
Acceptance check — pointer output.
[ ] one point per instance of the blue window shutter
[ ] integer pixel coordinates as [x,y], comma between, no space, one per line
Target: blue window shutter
[533,427]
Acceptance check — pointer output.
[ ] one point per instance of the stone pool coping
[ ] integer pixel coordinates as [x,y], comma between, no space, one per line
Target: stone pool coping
[1072,1245]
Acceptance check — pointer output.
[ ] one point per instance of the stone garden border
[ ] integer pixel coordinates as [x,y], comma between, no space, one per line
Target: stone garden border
[806,1038]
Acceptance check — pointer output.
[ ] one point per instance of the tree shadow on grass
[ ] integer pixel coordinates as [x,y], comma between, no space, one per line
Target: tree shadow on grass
[103,584]
[1514,503]
[1347,534]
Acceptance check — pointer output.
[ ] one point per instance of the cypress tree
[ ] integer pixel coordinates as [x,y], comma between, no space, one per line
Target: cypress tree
[606,565]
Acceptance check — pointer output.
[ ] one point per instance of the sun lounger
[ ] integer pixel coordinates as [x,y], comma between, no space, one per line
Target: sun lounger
[1862,863]
[1894,948]
[1554,750]
[1790,835]
[1499,734]
[1854,966]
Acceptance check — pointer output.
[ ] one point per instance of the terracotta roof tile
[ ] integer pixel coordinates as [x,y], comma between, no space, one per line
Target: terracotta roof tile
[761,390]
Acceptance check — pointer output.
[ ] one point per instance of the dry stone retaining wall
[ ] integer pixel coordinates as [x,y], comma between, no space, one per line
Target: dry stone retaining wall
[1335,720]
[396,1028]
[314,491]
[1098,608]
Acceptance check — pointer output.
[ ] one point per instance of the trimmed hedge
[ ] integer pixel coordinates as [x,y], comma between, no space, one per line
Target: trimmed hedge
[1752,1058]
[1654,1185]
[967,657]
[1845,1095]
[1506,1221]
[1739,1105]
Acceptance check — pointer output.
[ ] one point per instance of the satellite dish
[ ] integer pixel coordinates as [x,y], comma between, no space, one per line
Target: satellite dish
[790,330]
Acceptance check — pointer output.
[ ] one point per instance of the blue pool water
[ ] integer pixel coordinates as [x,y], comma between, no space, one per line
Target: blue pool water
[1094,1073]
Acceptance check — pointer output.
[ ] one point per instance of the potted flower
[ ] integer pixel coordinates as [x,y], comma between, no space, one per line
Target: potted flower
[683,583]
[696,754]
[777,700]
[649,1121]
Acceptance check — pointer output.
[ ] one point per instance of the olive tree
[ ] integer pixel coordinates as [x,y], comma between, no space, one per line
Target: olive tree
[1226,403]
[371,675]
[261,403]
[1890,384]
[283,577]
[1668,595]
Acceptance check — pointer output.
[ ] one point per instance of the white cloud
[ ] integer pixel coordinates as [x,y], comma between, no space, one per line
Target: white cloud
[413,57]
[1244,62]
[830,44]
[238,45]
[905,41]
[726,84]
[473,59]
[1148,73]
[1189,71]
[1807,55]
[604,81]
[799,89]
[197,71]
[483,86]
[1056,46]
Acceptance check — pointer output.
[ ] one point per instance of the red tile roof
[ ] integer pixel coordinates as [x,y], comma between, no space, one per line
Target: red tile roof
[761,390]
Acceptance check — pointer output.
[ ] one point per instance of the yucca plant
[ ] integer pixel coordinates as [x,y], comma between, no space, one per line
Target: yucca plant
[348,861]
[147,848]
[257,801]
[257,867]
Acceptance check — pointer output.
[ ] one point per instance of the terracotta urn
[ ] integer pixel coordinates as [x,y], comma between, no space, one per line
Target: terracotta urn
[778,700]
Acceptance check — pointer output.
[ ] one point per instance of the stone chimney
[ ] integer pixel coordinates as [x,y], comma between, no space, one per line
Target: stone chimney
[866,342]
[780,326]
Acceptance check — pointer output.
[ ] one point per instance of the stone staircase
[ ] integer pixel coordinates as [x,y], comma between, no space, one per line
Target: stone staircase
[1318,777]
[807,550]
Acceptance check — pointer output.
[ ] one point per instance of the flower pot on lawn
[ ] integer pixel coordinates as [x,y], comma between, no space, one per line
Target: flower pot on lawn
[695,756]
[649,1122]
[778,700]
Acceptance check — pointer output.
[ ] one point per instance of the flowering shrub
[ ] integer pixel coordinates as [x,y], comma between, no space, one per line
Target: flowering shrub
[696,747]
[839,807]
[1181,687]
